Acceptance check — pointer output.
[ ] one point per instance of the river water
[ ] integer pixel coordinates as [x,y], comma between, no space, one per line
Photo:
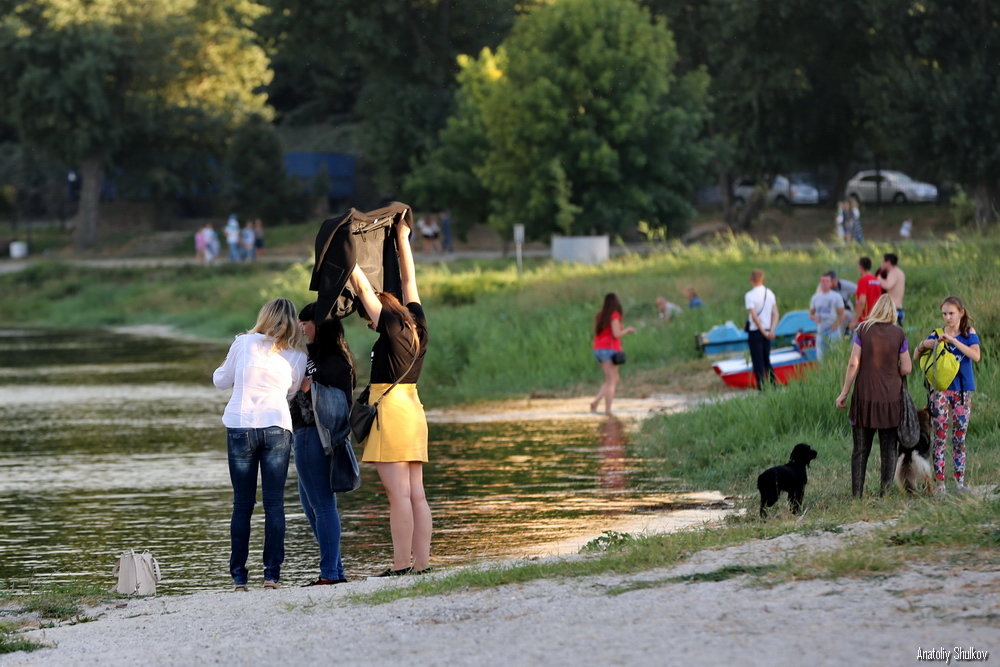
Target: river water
[113,441]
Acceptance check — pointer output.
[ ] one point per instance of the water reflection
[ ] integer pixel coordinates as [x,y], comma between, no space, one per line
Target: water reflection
[113,442]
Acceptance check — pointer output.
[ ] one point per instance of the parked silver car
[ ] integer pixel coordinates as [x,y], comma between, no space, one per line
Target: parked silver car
[784,190]
[896,187]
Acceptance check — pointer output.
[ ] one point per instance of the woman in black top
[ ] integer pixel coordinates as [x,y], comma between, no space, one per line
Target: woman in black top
[397,443]
[330,364]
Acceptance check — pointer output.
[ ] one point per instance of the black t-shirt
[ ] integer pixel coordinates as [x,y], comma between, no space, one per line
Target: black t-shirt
[393,351]
[327,365]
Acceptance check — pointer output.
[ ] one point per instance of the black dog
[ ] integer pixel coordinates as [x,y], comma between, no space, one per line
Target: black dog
[913,471]
[790,478]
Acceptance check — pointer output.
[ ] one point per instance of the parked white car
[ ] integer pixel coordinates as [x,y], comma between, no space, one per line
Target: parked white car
[896,187]
[784,191]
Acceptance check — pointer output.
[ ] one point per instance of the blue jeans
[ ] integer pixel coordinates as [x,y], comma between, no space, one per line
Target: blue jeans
[318,502]
[826,338]
[251,449]
[603,354]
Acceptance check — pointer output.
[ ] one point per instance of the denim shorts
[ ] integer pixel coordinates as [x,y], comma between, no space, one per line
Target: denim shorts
[603,355]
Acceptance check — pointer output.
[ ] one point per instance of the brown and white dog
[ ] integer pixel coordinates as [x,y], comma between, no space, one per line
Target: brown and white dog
[913,470]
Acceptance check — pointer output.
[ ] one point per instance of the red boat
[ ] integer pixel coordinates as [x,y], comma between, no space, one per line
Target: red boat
[788,363]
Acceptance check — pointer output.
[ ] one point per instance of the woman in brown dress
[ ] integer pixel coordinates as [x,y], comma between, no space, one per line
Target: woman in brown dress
[879,361]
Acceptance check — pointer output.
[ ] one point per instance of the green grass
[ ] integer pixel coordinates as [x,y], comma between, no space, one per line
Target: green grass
[11,641]
[51,603]
[59,602]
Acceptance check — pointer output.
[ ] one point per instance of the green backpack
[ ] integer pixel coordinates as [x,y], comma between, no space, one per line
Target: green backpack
[940,366]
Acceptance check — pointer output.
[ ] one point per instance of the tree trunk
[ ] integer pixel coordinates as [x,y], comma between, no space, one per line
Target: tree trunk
[92,175]
[987,201]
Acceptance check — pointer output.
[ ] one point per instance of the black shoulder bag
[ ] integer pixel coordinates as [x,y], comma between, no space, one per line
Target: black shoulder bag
[363,415]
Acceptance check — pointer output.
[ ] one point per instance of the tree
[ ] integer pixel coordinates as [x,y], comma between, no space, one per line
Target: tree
[786,84]
[102,82]
[446,178]
[939,73]
[387,67]
[586,127]
[257,185]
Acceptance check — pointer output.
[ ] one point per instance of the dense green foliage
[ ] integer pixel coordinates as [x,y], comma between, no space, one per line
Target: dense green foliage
[586,127]
[943,89]
[153,86]
[568,115]
[388,66]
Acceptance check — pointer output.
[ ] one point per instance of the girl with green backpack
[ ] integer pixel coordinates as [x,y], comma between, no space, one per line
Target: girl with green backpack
[957,341]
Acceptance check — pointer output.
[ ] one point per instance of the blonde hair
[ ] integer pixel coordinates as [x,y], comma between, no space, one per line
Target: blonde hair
[278,321]
[883,311]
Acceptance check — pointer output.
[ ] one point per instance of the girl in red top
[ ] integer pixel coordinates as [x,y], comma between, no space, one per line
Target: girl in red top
[608,332]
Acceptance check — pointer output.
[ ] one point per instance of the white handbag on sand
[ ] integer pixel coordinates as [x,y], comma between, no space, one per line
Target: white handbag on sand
[137,573]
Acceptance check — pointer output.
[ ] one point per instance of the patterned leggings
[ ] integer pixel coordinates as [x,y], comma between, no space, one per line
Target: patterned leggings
[959,403]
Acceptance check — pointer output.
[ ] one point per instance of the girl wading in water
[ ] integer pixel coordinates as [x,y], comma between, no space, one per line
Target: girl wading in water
[264,368]
[397,443]
[608,332]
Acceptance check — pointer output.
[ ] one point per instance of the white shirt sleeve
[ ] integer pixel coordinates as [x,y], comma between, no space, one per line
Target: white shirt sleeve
[225,375]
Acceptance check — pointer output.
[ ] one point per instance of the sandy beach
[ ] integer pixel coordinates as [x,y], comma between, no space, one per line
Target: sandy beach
[643,619]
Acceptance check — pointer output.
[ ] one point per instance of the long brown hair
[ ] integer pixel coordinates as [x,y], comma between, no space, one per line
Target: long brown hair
[966,322]
[603,318]
[393,305]
[330,338]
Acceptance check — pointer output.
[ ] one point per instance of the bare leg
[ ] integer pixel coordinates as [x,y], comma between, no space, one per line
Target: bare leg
[422,522]
[396,480]
[607,392]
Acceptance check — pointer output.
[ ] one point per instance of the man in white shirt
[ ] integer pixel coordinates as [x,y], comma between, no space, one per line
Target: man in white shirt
[762,317]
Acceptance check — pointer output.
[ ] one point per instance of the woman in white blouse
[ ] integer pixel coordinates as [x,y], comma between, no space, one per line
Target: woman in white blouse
[264,367]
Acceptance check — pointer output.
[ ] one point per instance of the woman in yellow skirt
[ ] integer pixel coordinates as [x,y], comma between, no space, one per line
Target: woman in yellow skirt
[397,443]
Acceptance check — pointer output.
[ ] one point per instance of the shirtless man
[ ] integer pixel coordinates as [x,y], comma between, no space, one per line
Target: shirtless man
[894,283]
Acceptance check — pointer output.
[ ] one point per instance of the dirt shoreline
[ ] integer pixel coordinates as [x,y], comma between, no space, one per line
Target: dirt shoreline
[650,618]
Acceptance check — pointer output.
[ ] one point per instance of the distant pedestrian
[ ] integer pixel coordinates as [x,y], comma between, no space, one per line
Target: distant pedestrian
[200,242]
[906,230]
[842,222]
[232,231]
[429,232]
[248,242]
[446,231]
[762,317]
[258,237]
[855,208]
[211,243]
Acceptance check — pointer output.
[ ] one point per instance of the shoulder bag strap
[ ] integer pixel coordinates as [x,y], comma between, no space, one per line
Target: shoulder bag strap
[408,368]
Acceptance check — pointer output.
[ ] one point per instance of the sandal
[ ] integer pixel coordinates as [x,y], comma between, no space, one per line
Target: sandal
[325,582]
[394,573]
[271,584]
[240,588]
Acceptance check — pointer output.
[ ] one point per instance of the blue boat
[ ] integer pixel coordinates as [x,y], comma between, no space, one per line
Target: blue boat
[728,337]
